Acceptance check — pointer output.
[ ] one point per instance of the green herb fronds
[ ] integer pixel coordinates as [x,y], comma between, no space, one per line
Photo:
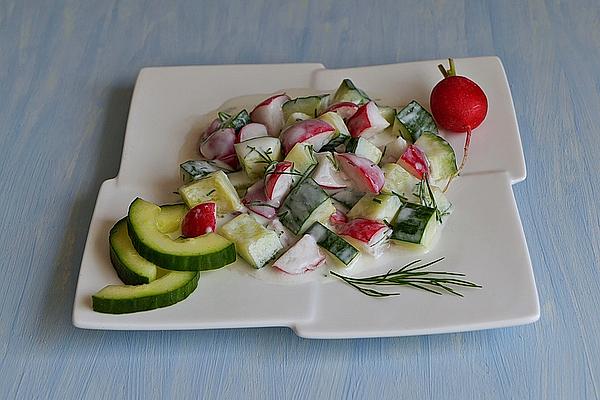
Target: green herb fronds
[436,282]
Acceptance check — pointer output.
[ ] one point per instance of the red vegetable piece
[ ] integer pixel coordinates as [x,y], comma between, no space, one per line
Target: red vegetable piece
[367,177]
[362,229]
[200,220]
[414,161]
[345,109]
[279,180]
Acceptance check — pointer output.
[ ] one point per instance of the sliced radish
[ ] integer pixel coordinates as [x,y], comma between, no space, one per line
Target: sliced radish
[231,160]
[200,220]
[270,114]
[218,144]
[367,121]
[338,217]
[279,180]
[345,109]
[414,161]
[257,201]
[367,177]
[327,175]
[373,236]
[214,125]
[313,131]
[251,131]
[301,257]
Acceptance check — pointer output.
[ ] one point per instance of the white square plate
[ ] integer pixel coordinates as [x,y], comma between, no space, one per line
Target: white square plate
[483,238]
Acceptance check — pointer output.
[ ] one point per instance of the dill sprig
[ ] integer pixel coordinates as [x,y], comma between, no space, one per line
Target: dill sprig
[436,282]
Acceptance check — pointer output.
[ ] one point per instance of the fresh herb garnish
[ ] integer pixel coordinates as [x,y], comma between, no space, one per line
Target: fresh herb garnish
[436,282]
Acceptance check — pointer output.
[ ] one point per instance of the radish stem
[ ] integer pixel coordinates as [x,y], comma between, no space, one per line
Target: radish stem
[464,158]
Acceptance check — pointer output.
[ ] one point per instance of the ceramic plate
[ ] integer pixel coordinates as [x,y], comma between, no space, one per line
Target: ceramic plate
[483,238]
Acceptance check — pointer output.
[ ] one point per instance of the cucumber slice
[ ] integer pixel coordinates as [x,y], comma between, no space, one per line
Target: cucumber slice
[412,121]
[170,217]
[165,291]
[201,253]
[295,117]
[132,268]
[195,169]
[415,224]
[240,181]
[388,113]
[236,122]
[363,148]
[213,187]
[382,207]
[304,205]
[347,91]
[442,160]
[256,154]
[341,130]
[334,244]
[397,180]
[255,243]
[303,157]
[310,105]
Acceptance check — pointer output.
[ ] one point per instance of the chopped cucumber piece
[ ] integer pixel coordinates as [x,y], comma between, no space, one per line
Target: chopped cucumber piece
[347,91]
[415,224]
[201,253]
[364,148]
[255,243]
[304,205]
[303,157]
[334,244]
[170,217]
[295,117]
[412,121]
[132,268]
[240,181]
[442,160]
[196,169]
[310,105]
[381,207]
[397,180]
[213,187]
[334,119]
[256,154]
[346,198]
[388,113]
[236,122]
[171,288]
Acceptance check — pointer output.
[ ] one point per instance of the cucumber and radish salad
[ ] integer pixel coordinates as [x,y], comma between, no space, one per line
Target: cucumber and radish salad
[297,184]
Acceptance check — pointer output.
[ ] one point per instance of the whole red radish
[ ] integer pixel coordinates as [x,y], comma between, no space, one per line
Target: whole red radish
[458,105]
[200,220]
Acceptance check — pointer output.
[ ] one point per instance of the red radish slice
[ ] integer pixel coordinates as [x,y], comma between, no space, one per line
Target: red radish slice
[257,201]
[338,217]
[327,175]
[231,161]
[214,125]
[367,177]
[279,180]
[414,161]
[301,257]
[345,109]
[366,230]
[371,236]
[251,131]
[200,220]
[218,144]
[270,114]
[313,131]
[367,121]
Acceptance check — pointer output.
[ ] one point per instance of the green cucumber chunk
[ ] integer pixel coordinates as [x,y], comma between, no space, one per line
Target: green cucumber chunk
[415,224]
[255,243]
[306,203]
[201,253]
[236,122]
[132,268]
[195,169]
[441,157]
[365,149]
[216,187]
[171,288]
[333,243]
[381,207]
[309,105]
[412,121]
[347,91]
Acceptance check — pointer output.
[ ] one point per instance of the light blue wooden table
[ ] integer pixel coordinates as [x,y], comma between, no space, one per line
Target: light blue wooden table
[67,69]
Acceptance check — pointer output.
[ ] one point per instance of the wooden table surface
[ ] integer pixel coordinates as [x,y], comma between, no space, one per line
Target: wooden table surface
[67,70]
